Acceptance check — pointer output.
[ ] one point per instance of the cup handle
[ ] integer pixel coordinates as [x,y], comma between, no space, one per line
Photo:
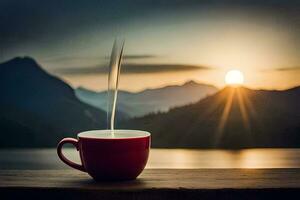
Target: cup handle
[66,160]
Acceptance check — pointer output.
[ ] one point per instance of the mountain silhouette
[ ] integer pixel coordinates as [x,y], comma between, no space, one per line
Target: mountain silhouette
[150,100]
[231,118]
[38,109]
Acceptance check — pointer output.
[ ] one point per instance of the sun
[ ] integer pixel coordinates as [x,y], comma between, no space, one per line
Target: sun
[234,77]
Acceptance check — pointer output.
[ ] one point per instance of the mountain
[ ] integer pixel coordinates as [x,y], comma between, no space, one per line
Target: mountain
[150,100]
[231,118]
[38,109]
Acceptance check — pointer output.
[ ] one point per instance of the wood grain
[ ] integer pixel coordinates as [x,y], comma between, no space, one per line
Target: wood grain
[154,183]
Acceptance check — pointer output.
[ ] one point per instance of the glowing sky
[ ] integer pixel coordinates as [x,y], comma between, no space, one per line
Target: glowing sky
[165,40]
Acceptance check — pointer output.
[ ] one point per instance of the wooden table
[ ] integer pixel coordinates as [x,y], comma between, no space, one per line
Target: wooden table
[154,184]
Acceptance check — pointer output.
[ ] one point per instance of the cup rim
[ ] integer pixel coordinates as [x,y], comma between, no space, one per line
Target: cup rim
[85,134]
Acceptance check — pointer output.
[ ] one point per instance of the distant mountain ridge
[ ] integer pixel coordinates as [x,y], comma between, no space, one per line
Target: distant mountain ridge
[149,100]
[38,109]
[261,119]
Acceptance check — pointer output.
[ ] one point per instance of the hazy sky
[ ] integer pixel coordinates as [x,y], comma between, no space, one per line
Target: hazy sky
[167,42]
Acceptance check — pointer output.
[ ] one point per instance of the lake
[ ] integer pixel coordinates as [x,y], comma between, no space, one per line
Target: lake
[163,158]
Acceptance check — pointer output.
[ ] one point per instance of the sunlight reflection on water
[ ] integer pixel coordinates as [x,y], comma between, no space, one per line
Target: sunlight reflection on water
[164,158]
[247,158]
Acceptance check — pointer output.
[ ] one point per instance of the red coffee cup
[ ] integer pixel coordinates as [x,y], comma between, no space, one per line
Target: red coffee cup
[122,156]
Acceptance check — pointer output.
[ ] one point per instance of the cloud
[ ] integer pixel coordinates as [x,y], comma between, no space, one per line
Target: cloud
[137,56]
[288,68]
[156,68]
[35,22]
[132,68]
[69,59]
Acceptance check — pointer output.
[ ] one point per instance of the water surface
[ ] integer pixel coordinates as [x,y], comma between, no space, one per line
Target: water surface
[163,158]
